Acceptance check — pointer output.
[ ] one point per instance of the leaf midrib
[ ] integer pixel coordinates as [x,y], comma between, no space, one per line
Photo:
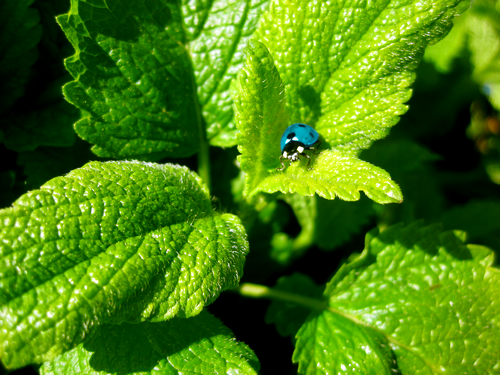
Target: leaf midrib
[389,338]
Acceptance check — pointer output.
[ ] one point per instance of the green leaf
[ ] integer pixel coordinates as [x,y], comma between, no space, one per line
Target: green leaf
[201,345]
[330,343]
[334,174]
[261,115]
[20,33]
[347,68]
[417,291]
[287,316]
[218,31]
[133,78]
[110,242]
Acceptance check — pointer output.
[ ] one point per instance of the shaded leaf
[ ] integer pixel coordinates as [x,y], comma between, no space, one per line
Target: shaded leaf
[411,166]
[200,345]
[133,79]
[399,155]
[327,224]
[305,209]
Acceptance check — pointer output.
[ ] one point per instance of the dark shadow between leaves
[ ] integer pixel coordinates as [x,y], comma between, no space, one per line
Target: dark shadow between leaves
[128,348]
[112,342]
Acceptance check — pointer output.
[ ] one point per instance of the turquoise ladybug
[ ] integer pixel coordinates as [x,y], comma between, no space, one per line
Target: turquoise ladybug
[296,139]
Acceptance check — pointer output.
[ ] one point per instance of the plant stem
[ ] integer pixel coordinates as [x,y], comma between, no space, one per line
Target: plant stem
[204,161]
[203,153]
[261,291]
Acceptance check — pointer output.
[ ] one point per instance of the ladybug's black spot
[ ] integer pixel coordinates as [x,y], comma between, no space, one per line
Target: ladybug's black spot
[311,134]
[302,125]
[290,136]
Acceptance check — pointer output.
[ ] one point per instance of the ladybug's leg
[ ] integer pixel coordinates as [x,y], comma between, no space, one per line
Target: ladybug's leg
[282,165]
[309,161]
[316,148]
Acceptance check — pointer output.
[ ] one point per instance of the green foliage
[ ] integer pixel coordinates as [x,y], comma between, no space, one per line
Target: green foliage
[133,236]
[324,223]
[338,221]
[262,117]
[323,337]
[197,345]
[354,78]
[400,306]
[335,174]
[409,164]
[133,79]
[119,267]
[348,113]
